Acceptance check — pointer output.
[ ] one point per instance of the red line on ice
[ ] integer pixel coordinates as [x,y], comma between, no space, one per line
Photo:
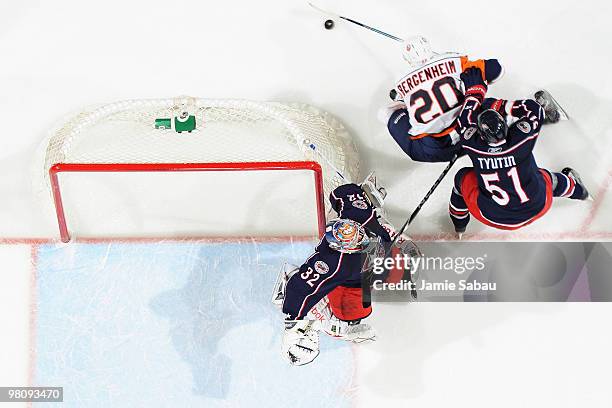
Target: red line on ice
[597,201]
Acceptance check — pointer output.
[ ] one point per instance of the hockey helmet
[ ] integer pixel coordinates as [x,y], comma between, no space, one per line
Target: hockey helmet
[346,236]
[416,50]
[493,128]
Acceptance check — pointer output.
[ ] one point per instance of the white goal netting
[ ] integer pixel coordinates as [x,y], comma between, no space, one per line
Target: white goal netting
[227,131]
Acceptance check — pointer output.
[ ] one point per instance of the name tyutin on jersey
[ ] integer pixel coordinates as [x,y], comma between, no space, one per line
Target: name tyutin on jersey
[494,163]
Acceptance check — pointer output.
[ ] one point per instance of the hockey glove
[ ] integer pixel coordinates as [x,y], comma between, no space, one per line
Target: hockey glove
[300,342]
[475,86]
[475,91]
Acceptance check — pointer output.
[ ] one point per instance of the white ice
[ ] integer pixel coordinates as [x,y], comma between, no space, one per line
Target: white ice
[59,56]
[62,56]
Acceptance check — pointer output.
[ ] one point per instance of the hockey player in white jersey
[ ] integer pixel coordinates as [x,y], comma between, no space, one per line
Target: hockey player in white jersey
[422,119]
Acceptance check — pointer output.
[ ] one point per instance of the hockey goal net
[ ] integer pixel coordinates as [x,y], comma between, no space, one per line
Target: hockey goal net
[247,168]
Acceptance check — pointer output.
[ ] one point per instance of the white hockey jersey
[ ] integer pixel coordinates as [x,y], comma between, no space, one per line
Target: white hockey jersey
[433,94]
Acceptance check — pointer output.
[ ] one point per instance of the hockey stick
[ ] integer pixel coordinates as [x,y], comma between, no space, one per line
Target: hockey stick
[413,291]
[424,200]
[376,30]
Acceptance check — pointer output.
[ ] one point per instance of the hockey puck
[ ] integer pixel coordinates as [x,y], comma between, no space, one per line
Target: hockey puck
[329,24]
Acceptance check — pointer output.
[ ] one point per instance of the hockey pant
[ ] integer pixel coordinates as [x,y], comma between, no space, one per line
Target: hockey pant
[465,193]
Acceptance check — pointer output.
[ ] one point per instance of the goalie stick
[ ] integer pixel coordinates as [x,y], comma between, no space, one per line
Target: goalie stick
[337,16]
[366,292]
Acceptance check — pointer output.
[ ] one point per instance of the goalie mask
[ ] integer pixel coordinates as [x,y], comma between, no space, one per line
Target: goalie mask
[346,236]
[417,51]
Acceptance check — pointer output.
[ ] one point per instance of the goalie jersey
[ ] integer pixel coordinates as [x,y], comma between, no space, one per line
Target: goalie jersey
[433,93]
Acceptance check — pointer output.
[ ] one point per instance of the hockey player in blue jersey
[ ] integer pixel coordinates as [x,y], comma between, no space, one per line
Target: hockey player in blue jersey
[423,119]
[505,188]
[325,292]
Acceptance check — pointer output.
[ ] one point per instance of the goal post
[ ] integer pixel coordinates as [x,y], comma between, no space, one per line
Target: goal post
[230,136]
[180,167]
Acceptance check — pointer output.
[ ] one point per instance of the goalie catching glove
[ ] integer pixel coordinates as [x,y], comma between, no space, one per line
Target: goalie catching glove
[300,342]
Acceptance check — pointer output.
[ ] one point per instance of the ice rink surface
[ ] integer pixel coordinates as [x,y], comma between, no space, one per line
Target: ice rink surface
[185,324]
[101,319]
[191,324]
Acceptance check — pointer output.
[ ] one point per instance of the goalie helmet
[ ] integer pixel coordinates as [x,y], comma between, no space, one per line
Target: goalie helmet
[346,236]
[416,50]
[493,128]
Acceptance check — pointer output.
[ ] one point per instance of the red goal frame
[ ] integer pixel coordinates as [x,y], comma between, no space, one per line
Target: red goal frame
[58,168]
